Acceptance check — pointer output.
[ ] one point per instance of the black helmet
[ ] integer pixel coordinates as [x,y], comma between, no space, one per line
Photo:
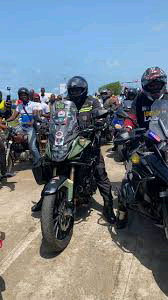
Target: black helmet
[154,81]
[77,89]
[23,90]
[105,94]
[132,93]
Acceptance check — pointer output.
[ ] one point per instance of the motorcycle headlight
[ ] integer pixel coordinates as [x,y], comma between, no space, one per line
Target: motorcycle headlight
[135,158]
[117,126]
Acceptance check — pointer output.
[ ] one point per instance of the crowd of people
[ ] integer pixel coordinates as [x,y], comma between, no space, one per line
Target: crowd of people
[31,105]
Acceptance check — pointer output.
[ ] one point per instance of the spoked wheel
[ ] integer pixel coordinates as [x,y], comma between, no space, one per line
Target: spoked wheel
[57,221]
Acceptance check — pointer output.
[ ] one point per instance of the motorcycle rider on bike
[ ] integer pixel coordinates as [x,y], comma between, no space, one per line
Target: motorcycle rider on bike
[131,94]
[3,167]
[78,93]
[108,99]
[26,111]
[154,83]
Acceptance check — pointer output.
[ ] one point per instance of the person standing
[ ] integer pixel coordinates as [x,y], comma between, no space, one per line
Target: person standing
[43,97]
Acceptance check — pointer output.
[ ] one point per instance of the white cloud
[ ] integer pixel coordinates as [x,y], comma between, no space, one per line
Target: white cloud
[112,63]
[159,27]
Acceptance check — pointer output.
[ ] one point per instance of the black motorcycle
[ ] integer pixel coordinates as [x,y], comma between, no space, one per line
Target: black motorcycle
[67,172]
[145,188]
[122,141]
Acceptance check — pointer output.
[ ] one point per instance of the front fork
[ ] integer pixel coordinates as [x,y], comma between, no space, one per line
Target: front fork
[8,151]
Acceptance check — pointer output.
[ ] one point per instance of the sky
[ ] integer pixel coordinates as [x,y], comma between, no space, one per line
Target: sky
[44,43]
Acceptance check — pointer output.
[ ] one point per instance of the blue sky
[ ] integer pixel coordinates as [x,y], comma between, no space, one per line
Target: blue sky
[43,42]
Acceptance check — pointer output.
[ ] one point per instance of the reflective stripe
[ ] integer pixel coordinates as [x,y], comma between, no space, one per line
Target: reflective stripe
[2,105]
[86,109]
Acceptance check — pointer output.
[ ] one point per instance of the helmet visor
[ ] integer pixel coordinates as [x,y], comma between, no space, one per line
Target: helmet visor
[154,87]
[76,91]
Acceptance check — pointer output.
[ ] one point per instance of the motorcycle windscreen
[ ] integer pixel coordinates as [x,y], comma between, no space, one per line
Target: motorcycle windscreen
[159,118]
[127,104]
[63,129]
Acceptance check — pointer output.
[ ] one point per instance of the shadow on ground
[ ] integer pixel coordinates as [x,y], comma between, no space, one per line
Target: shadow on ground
[10,185]
[22,166]
[148,244]
[114,155]
[2,287]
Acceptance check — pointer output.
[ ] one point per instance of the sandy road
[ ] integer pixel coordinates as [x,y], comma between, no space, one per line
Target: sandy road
[99,263]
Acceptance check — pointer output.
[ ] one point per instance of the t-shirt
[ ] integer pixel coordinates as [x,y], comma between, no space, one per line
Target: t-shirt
[45,108]
[42,107]
[29,107]
[44,99]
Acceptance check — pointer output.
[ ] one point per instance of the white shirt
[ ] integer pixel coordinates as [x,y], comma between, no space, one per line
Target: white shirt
[41,107]
[26,117]
[45,108]
[44,99]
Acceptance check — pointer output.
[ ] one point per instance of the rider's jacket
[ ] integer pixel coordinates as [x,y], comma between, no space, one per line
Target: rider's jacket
[2,105]
[86,110]
[141,108]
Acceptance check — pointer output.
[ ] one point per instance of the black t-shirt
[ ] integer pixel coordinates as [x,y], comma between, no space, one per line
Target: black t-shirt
[142,108]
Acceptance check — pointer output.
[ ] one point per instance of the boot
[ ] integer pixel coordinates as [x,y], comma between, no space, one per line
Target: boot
[5,174]
[37,207]
[122,219]
[109,213]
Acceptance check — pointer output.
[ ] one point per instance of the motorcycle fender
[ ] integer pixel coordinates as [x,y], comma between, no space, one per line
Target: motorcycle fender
[56,183]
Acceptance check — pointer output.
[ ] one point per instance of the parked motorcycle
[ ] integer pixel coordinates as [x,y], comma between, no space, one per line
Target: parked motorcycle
[68,172]
[120,133]
[107,131]
[145,188]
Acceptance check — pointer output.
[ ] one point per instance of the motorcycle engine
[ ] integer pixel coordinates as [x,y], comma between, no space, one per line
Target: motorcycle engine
[85,184]
[24,155]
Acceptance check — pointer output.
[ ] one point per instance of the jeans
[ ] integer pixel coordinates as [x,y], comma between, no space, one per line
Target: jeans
[32,141]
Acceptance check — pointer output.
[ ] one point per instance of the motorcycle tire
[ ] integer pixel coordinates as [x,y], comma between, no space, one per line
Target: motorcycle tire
[53,224]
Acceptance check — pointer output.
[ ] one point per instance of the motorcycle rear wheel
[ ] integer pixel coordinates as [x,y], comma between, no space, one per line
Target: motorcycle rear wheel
[56,221]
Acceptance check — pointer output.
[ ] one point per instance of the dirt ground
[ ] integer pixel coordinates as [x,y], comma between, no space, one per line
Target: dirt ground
[99,263]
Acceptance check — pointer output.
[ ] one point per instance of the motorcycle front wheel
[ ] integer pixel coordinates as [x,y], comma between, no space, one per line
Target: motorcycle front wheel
[56,221]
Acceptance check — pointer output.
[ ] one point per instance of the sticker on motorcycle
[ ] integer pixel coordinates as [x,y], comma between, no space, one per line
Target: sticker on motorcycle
[59,138]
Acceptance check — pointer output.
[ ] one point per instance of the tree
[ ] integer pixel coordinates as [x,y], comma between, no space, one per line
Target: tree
[115,87]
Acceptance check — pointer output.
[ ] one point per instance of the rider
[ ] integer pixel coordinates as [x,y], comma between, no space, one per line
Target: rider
[77,92]
[108,99]
[131,94]
[5,107]
[3,167]
[154,82]
[26,111]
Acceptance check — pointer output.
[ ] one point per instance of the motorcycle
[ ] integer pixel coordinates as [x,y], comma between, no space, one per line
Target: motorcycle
[67,172]
[107,131]
[119,134]
[2,238]
[17,144]
[145,188]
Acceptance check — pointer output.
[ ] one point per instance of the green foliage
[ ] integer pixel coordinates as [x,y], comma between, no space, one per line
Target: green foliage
[115,87]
